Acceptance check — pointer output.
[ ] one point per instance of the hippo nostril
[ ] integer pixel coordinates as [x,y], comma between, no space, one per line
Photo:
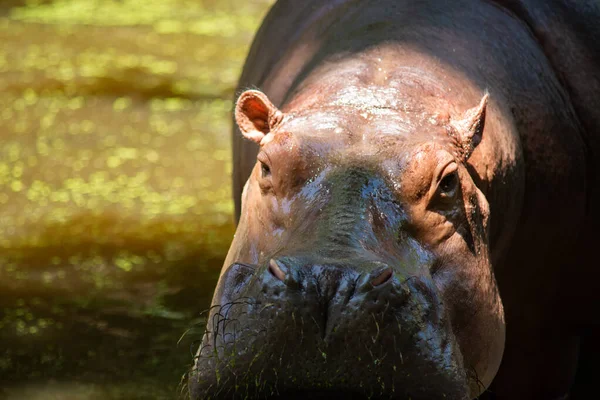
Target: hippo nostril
[384,276]
[276,271]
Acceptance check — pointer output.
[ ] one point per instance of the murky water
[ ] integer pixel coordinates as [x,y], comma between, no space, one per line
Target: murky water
[115,205]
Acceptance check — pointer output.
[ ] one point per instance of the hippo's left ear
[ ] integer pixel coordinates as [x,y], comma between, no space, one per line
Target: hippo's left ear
[256,115]
[469,129]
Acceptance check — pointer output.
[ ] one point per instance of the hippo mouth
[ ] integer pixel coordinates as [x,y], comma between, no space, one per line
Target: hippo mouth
[291,339]
[321,394]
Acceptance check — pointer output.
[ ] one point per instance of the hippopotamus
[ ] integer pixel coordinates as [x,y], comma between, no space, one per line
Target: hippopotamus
[417,187]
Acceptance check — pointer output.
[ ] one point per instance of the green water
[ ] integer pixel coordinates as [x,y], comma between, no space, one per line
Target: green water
[115,205]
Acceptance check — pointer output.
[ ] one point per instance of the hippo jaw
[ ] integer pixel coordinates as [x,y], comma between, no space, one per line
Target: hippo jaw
[303,303]
[290,337]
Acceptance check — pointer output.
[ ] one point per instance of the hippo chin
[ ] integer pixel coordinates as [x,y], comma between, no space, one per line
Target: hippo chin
[419,202]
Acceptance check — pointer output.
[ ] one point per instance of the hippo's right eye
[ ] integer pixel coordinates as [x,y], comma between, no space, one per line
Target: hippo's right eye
[265,171]
[265,180]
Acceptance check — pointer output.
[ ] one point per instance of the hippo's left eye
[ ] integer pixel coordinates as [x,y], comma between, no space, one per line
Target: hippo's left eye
[448,185]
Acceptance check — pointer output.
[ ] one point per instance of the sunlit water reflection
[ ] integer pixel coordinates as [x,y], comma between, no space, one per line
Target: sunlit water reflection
[115,205]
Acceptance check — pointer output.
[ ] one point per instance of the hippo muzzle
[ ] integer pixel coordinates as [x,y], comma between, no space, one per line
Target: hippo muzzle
[295,329]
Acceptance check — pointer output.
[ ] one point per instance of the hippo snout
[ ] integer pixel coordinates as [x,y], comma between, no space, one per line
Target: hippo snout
[288,327]
[330,294]
[282,272]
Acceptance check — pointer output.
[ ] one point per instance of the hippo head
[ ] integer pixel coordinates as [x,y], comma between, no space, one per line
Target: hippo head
[360,264]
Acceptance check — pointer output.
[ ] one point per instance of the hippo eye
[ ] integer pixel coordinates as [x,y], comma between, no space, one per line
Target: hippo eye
[265,171]
[448,184]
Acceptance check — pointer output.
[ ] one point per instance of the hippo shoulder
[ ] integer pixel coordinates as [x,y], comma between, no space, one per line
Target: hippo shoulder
[568,33]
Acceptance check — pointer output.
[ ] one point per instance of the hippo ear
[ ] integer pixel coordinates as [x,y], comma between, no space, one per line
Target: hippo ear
[469,129]
[256,115]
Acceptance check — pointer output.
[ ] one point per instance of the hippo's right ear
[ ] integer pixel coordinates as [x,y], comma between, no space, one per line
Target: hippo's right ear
[256,115]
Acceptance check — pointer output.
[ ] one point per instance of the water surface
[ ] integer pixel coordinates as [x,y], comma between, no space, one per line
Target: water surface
[115,205]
